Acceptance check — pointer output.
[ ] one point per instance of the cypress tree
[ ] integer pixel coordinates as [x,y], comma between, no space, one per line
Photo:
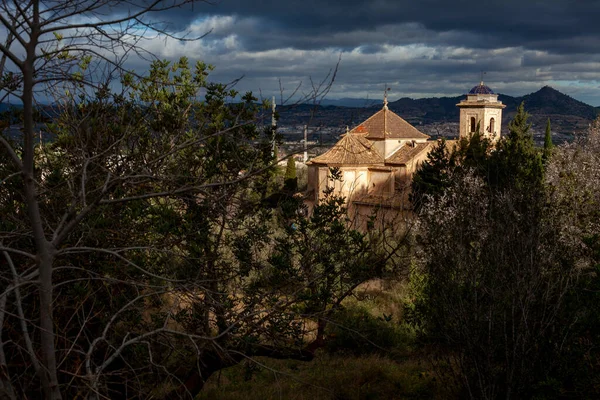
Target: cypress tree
[291,180]
[290,170]
[548,145]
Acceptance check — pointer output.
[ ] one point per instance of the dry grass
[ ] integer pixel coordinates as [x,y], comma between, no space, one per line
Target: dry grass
[328,377]
[342,375]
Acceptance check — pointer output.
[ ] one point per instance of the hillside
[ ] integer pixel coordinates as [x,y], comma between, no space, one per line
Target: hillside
[550,101]
[439,115]
[546,101]
[436,115]
[567,115]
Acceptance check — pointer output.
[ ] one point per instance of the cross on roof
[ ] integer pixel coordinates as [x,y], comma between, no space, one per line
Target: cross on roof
[385,100]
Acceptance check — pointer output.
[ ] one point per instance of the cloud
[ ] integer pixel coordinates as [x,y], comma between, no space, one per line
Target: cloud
[419,48]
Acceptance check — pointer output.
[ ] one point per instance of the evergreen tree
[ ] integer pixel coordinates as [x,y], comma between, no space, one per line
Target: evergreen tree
[433,177]
[473,153]
[548,145]
[517,163]
[290,171]
[291,180]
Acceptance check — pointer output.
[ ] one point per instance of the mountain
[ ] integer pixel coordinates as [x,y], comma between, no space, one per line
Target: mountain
[349,102]
[545,102]
[439,115]
[567,115]
[552,102]
[432,115]
[429,110]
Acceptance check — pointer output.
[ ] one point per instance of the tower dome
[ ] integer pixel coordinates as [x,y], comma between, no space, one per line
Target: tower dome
[481,89]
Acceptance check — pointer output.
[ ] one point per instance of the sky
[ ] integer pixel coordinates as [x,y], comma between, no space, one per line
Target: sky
[417,48]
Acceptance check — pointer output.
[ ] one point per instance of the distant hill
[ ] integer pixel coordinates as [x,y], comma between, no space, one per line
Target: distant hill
[567,115]
[545,102]
[552,102]
[348,102]
[6,106]
[429,110]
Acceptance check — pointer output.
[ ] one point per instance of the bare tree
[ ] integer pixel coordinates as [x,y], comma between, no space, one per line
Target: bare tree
[45,39]
[136,256]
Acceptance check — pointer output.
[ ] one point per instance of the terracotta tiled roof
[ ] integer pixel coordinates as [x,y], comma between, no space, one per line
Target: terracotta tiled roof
[407,152]
[351,149]
[385,124]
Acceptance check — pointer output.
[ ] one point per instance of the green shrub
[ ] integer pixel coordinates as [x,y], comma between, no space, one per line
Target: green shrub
[354,330]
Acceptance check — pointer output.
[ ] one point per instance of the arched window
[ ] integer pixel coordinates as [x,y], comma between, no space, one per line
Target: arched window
[492,125]
[473,124]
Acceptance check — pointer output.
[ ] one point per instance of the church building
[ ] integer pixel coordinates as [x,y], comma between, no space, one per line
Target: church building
[378,158]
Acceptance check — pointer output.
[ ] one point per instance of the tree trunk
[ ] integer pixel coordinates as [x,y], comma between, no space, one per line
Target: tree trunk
[44,250]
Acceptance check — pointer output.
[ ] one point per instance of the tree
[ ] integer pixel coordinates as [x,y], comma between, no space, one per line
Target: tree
[509,277]
[137,259]
[108,181]
[516,162]
[290,179]
[433,176]
[496,277]
[547,142]
[473,153]
[45,40]
[573,181]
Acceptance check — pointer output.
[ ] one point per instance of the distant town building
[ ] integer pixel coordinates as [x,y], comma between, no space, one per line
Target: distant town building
[481,109]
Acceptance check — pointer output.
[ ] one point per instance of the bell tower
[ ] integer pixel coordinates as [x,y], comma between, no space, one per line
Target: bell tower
[481,108]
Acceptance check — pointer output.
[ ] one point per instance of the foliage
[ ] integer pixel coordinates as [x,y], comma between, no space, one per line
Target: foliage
[472,153]
[137,255]
[291,180]
[353,330]
[504,267]
[516,162]
[167,266]
[573,179]
[368,355]
[433,176]
[513,162]
[322,259]
[548,146]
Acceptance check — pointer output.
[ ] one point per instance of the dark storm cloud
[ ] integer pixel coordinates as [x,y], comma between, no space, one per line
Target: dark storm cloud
[421,47]
[307,24]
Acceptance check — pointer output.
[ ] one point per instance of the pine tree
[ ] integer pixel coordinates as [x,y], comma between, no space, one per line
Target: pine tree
[517,163]
[473,152]
[433,177]
[519,126]
[548,145]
